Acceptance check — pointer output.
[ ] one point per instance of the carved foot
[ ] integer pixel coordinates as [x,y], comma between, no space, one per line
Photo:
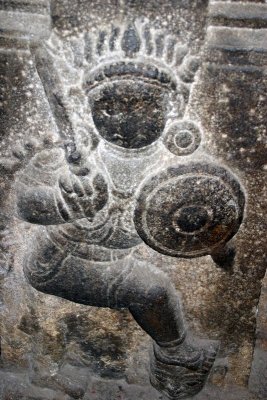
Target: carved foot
[181,371]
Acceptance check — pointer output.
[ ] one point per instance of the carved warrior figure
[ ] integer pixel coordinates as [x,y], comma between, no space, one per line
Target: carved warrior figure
[118,98]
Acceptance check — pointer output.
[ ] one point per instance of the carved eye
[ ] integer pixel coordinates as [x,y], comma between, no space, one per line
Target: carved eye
[111,113]
[107,113]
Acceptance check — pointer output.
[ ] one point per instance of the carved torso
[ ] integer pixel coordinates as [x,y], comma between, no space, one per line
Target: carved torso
[111,233]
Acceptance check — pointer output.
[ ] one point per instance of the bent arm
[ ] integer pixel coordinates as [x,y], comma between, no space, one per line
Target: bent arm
[38,198]
[48,193]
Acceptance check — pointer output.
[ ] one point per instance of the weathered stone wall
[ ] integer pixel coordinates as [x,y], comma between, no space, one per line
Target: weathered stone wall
[53,348]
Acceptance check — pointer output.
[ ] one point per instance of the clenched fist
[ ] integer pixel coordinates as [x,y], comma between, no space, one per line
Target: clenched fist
[81,195]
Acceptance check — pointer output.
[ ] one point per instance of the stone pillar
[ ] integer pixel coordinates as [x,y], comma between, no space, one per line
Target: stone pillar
[22,23]
[233,109]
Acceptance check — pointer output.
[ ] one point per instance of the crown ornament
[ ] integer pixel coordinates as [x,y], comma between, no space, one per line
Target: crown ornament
[71,67]
[137,50]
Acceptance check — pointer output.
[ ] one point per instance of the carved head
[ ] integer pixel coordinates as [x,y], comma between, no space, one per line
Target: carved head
[130,113]
[133,91]
[129,85]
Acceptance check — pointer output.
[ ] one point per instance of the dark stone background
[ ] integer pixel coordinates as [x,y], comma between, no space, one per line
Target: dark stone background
[54,349]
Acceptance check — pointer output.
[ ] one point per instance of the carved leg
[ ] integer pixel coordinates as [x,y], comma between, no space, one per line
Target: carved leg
[179,365]
[127,283]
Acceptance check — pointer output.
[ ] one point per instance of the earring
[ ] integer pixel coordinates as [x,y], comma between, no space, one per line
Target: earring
[182,137]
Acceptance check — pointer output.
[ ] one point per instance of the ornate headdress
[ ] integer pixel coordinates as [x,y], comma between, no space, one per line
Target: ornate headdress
[72,66]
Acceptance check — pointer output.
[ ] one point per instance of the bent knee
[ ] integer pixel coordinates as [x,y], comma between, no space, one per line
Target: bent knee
[40,271]
[157,295]
[145,290]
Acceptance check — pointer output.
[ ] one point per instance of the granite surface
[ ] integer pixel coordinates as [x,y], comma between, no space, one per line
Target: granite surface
[54,348]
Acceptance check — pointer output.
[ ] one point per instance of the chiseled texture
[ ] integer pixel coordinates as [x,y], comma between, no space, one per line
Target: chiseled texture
[89,140]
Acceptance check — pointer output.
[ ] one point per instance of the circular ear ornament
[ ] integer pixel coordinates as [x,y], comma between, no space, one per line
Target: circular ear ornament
[189,210]
[182,138]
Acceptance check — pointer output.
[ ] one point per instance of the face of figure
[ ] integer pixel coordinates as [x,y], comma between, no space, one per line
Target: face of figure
[130,113]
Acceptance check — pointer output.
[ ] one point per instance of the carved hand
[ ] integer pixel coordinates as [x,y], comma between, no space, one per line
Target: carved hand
[81,196]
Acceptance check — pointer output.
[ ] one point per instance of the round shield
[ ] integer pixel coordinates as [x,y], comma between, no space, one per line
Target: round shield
[189,210]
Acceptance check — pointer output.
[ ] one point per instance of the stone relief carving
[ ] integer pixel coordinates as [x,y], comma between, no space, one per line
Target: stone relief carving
[115,180]
[188,210]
